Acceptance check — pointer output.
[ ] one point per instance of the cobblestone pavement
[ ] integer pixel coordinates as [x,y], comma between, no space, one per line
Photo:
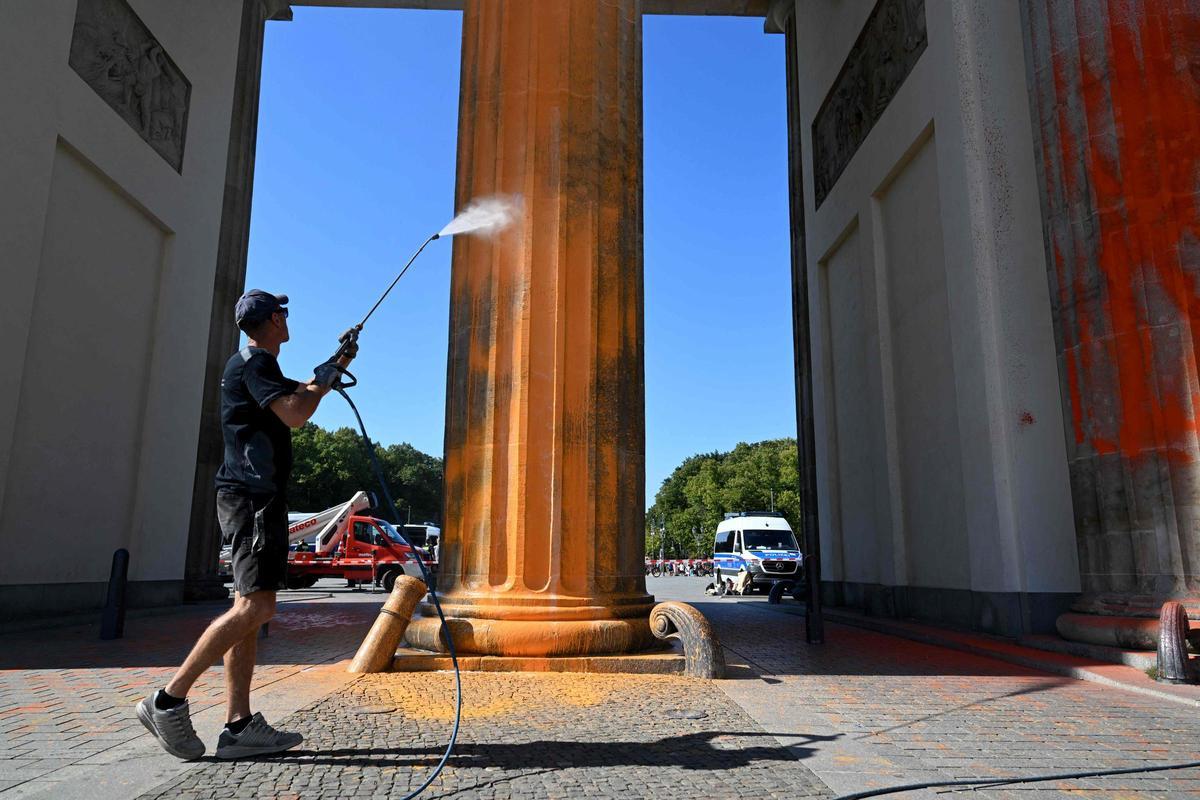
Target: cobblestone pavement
[865,710]
[523,736]
[66,697]
[893,711]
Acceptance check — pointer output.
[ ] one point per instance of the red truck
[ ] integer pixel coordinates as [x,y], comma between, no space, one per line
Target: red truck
[341,543]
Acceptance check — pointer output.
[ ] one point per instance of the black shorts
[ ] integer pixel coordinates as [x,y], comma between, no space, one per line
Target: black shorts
[257,527]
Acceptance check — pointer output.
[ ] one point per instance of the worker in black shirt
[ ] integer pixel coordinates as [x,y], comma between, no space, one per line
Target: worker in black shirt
[259,406]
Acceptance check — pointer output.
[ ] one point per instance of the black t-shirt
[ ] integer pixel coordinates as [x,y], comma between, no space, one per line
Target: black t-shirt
[258,446]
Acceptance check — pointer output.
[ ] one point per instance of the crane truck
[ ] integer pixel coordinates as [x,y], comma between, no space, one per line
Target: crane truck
[340,542]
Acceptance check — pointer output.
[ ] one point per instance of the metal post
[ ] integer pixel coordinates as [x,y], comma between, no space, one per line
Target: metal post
[112,622]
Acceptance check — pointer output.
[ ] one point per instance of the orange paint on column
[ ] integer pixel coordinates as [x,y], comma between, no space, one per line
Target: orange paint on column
[1141,160]
[545,425]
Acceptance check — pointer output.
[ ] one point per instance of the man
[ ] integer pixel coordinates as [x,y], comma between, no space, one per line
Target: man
[258,408]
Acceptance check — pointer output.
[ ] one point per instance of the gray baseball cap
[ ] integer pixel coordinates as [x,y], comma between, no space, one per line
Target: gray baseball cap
[256,305]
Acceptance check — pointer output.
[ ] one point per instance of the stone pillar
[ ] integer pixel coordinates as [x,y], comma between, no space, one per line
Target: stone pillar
[542,550]
[1115,96]
[204,535]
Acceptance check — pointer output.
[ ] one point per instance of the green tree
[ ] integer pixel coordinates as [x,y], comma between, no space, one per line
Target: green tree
[696,496]
[330,466]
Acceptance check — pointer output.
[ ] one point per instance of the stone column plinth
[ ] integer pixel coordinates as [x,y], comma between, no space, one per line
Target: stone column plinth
[542,549]
[1116,110]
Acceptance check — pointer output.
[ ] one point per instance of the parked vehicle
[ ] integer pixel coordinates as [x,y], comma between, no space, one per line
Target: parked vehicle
[425,535]
[341,543]
[760,543]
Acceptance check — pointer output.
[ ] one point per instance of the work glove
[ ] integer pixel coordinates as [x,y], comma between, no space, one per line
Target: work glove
[351,349]
[326,375]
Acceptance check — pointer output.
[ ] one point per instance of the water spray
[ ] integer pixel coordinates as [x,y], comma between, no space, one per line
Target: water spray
[484,217]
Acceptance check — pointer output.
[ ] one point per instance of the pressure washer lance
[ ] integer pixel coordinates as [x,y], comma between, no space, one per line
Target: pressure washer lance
[350,337]
[340,379]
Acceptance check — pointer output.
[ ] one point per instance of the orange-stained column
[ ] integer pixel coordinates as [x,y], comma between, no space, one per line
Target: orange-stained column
[542,550]
[1116,107]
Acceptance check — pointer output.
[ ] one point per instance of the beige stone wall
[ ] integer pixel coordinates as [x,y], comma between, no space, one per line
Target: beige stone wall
[107,256]
[939,435]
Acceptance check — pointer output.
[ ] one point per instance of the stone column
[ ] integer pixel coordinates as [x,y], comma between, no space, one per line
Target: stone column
[1115,96]
[542,550]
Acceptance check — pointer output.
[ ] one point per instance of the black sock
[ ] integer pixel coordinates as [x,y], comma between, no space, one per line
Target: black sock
[165,702]
[239,725]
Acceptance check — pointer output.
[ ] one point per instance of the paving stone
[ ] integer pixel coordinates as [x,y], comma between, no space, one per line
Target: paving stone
[533,735]
[947,715]
[65,695]
[793,720]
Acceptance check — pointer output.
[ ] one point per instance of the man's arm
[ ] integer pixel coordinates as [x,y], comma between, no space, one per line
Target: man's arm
[297,408]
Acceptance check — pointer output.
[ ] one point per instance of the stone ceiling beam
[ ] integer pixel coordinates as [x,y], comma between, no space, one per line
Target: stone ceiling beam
[730,8]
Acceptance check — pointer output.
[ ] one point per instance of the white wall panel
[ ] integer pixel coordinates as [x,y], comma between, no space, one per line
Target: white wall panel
[927,432]
[73,472]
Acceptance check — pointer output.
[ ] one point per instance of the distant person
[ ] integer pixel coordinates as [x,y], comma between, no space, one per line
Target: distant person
[258,408]
[744,581]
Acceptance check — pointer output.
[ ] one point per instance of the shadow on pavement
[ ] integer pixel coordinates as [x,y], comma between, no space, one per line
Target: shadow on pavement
[1041,687]
[687,751]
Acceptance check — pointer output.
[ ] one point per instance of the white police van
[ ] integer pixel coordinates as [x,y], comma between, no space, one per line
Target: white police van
[758,542]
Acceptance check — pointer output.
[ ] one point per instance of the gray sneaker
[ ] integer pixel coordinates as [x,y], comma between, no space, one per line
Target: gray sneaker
[173,728]
[256,739]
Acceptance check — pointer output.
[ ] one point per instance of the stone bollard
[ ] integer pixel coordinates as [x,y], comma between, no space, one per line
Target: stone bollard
[778,590]
[674,620]
[376,652]
[1173,664]
[112,620]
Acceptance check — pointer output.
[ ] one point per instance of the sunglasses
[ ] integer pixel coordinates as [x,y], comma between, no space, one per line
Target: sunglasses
[283,311]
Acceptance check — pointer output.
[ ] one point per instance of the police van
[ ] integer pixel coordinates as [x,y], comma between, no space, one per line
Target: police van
[758,542]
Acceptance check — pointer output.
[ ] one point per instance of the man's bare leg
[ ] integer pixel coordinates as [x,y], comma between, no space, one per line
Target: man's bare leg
[166,714]
[239,670]
[249,612]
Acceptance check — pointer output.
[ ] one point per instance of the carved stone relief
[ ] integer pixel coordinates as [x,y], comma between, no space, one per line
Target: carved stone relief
[886,50]
[115,54]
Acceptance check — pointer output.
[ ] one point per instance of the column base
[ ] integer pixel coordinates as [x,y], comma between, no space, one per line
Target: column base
[1119,604]
[665,660]
[501,637]
[1123,633]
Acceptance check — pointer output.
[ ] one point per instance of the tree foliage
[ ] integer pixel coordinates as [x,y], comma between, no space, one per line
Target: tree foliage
[691,502]
[330,466]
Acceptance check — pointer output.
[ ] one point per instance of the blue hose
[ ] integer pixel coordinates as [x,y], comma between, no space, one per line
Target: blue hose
[387,496]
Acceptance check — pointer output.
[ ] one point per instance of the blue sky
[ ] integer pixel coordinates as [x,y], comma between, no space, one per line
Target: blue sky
[355,168]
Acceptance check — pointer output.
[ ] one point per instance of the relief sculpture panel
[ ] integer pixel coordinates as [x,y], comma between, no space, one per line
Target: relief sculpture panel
[886,50]
[115,54]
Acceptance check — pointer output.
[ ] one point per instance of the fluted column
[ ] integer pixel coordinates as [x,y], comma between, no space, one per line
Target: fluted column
[542,550]
[1116,108]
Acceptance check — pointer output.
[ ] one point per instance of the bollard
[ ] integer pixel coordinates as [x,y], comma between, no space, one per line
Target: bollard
[376,652]
[112,621]
[778,590]
[1173,664]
